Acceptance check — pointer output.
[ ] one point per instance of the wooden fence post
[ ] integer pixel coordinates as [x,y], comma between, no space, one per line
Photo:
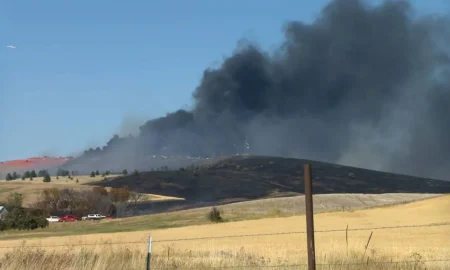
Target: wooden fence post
[309,218]
[149,254]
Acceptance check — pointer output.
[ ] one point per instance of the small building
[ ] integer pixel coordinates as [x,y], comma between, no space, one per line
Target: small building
[2,211]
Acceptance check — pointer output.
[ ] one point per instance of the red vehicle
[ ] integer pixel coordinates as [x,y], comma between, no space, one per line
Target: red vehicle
[68,218]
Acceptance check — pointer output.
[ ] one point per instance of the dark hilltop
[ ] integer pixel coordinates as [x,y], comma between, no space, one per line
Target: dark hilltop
[254,177]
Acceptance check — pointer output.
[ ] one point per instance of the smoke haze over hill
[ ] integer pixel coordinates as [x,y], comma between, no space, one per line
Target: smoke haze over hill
[367,86]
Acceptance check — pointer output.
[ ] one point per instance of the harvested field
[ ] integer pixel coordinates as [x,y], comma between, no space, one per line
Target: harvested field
[258,209]
[416,245]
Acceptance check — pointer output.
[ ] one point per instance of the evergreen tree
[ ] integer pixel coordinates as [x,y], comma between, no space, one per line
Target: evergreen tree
[42,173]
[47,178]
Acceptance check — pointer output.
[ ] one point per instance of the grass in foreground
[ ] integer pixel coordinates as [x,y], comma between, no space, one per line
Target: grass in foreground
[110,257]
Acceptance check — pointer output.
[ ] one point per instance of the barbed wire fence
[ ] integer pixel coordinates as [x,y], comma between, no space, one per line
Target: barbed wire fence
[276,266]
[234,236]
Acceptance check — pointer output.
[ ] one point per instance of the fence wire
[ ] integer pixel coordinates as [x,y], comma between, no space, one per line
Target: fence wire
[234,236]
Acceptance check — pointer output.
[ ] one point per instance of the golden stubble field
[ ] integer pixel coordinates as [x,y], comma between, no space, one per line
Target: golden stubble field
[33,189]
[415,245]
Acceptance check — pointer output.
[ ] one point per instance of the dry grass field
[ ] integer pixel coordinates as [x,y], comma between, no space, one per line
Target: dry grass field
[415,245]
[31,189]
[249,210]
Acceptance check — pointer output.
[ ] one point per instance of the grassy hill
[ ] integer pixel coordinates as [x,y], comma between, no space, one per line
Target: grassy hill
[32,190]
[252,177]
[77,248]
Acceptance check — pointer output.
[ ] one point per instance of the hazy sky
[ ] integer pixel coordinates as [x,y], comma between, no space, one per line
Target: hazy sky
[73,73]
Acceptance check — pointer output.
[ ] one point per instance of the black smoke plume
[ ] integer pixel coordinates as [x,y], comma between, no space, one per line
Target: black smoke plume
[362,85]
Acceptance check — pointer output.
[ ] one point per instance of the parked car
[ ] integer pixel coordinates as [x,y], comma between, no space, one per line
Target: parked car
[53,219]
[68,218]
[95,216]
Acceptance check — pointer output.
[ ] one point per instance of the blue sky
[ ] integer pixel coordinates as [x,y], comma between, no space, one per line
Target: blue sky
[82,67]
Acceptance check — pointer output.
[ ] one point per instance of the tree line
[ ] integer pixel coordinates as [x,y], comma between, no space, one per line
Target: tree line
[65,173]
[28,174]
[118,202]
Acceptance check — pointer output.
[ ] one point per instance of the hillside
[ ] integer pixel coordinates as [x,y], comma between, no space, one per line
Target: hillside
[121,160]
[252,177]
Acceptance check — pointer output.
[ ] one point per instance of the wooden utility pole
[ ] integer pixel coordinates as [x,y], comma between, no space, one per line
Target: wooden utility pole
[309,218]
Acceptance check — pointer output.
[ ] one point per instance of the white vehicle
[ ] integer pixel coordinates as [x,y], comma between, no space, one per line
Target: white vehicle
[53,219]
[95,216]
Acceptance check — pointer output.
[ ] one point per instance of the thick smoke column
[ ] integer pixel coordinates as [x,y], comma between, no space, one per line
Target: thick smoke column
[362,85]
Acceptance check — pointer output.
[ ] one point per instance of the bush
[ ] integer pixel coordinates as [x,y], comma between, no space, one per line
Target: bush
[214,215]
[18,217]
[47,178]
[92,174]
[125,172]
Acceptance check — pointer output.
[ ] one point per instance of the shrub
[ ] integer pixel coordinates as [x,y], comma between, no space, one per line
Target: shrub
[125,172]
[100,190]
[119,194]
[77,181]
[214,215]
[92,174]
[18,217]
[47,178]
